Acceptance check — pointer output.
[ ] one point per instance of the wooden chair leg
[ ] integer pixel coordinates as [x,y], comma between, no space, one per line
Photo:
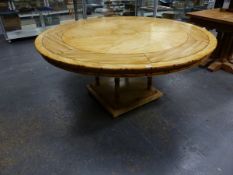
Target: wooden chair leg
[97,81]
[116,90]
[149,83]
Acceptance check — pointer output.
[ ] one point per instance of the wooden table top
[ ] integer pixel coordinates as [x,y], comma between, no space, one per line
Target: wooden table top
[125,46]
[214,15]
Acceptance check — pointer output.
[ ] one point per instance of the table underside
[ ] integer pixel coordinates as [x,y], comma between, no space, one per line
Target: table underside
[119,96]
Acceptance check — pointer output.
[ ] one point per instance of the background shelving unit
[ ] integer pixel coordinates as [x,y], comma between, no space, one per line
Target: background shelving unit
[27,18]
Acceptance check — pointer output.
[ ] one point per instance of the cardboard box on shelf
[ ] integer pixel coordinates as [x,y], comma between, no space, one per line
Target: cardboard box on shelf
[11,22]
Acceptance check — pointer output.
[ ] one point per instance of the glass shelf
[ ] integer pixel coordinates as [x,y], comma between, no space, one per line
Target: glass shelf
[27,18]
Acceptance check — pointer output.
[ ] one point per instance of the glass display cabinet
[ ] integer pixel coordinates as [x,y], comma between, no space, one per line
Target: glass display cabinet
[173,9]
[26,18]
[117,7]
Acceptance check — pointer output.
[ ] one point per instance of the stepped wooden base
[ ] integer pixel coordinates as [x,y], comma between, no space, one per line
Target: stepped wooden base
[217,65]
[128,96]
[228,67]
[206,62]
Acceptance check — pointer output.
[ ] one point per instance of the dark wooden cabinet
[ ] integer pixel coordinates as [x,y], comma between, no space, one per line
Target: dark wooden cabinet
[231,5]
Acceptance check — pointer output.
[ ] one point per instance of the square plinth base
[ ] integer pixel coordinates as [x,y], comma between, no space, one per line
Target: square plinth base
[130,95]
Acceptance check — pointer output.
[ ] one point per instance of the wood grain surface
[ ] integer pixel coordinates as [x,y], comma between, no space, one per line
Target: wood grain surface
[214,15]
[125,46]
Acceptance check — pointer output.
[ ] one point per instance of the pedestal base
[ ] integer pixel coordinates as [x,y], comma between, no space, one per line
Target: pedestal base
[217,65]
[223,55]
[130,95]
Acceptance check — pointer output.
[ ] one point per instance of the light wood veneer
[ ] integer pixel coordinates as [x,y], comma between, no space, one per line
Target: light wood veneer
[125,46]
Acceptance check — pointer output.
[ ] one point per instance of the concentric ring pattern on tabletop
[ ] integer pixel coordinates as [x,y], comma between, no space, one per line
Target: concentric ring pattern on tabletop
[125,46]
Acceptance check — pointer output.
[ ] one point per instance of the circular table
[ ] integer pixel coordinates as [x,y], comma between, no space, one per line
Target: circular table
[125,47]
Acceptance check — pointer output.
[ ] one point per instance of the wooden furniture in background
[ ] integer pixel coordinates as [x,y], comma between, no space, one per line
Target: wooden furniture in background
[222,21]
[125,47]
[231,5]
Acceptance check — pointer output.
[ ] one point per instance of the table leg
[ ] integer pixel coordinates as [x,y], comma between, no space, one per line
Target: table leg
[149,83]
[228,61]
[127,81]
[116,92]
[216,54]
[224,52]
[97,81]
[119,98]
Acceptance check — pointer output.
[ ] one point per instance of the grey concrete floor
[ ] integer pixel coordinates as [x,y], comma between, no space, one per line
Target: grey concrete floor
[49,124]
